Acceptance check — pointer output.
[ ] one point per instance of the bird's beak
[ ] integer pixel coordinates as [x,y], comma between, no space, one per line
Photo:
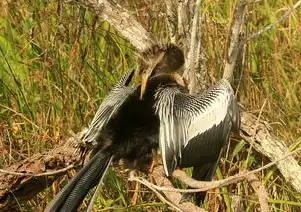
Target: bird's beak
[145,76]
[144,79]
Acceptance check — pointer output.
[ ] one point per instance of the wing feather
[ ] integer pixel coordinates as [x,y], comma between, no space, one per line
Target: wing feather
[108,108]
[194,128]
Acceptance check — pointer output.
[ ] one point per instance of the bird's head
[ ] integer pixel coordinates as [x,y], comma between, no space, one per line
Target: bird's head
[167,59]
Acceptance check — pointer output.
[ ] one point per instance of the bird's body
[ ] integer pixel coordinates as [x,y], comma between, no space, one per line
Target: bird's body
[191,130]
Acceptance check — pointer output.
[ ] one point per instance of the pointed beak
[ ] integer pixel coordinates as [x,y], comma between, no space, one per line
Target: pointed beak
[144,80]
[145,76]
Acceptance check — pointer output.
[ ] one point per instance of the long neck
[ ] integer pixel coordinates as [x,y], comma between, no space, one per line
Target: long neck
[164,79]
[172,79]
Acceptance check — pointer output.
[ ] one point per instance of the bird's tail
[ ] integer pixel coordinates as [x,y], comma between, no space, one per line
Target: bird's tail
[72,195]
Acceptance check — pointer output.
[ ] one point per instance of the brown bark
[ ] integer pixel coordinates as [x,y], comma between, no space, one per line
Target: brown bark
[22,181]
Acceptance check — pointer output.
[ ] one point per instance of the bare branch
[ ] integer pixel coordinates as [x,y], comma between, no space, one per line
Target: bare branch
[206,185]
[260,191]
[285,15]
[171,20]
[22,181]
[183,24]
[39,174]
[122,21]
[272,147]
[173,197]
[234,43]
[159,195]
[189,73]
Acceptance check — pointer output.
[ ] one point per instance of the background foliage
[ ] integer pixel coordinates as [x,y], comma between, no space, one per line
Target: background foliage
[58,61]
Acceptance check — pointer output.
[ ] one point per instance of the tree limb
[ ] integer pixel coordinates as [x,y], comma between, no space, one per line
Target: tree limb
[260,191]
[193,50]
[122,21]
[234,43]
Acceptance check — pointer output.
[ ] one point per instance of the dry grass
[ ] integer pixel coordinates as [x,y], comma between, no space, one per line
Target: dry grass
[56,65]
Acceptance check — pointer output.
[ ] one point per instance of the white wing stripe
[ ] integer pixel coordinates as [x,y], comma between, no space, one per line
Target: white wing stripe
[183,117]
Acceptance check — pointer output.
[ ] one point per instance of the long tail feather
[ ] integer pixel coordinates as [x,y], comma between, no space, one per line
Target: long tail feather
[72,195]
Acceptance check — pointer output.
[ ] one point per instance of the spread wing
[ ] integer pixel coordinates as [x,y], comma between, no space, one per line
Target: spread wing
[110,105]
[194,128]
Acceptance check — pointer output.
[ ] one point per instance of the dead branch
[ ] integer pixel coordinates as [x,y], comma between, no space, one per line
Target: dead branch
[159,195]
[234,43]
[260,191]
[270,26]
[122,21]
[272,147]
[22,181]
[175,197]
[206,185]
[171,20]
[193,50]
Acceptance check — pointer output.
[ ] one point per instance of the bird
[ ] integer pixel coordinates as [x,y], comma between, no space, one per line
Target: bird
[124,127]
[193,129]
[188,130]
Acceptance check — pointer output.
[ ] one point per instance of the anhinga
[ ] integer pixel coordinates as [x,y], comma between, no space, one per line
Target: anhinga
[124,127]
[191,129]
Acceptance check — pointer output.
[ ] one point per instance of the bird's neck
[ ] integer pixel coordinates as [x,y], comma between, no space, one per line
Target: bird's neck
[162,80]
[166,79]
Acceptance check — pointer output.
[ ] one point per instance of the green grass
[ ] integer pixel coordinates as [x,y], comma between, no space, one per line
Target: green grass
[56,67]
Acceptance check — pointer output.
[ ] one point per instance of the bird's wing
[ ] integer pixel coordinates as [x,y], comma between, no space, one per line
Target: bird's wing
[108,108]
[194,128]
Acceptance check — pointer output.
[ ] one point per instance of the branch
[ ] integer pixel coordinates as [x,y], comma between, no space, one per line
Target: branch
[272,147]
[260,191]
[39,174]
[234,46]
[171,20]
[285,15]
[193,50]
[22,181]
[205,185]
[122,21]
[173,197]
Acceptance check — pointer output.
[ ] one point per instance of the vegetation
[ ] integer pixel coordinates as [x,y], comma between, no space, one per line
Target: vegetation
[58,62]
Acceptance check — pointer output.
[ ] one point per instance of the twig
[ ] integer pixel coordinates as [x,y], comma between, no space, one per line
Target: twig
[39,174]
[204,185]
[161,179]
[149,185]
[260,191]
[286,14]
[21,115]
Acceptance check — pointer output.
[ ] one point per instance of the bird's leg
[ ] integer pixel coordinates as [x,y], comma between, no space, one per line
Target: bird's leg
[155,160]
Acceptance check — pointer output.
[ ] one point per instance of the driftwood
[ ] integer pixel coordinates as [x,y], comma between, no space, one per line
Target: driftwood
[23,186]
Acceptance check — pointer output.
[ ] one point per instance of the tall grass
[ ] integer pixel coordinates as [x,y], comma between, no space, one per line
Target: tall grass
[57,62]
